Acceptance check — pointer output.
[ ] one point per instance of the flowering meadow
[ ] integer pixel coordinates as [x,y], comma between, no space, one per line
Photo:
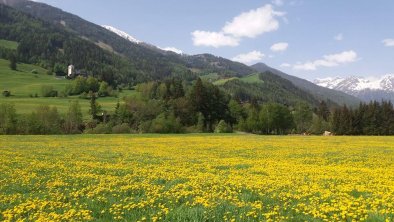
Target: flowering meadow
[196,178]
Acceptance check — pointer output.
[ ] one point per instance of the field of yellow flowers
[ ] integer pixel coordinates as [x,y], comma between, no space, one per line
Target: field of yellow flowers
[196,178]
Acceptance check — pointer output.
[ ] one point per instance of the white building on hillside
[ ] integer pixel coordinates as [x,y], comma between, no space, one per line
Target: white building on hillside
[71,71]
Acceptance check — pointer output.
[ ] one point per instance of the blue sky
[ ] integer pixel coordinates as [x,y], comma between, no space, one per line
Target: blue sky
[306,38]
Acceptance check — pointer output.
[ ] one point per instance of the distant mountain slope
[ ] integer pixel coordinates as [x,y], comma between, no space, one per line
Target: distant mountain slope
[218,64]
[42,43]
[365,89]
[320,92]
[161,63]
[268,87]
[162,60]
[47,35]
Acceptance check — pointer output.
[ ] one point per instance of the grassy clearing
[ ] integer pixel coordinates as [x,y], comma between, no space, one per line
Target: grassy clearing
[23,84]
[212,77]
[26,105]
[210,178]
[223,81]
[253,78]
[8,44]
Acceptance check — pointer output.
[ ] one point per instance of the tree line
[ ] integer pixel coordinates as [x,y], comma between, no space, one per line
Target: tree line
[45,120]
[374,118]
[176,106]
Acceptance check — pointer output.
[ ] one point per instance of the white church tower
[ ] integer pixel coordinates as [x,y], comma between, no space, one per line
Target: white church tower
[71,70]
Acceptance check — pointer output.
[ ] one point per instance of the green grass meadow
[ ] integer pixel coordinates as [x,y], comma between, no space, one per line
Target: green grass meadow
[253,78]
[8,44]
[24,85]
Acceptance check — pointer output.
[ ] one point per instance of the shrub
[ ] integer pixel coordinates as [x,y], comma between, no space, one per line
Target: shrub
[8,119]
[100,129]
[48,91]
[84,95]
[6,93]
[121,129]
[62,94]
[13,65]
[104,89]
[166,124]
[34,71]
[223,127]
[144,127]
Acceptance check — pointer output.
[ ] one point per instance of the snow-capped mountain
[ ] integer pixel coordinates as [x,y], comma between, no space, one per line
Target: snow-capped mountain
[364,88]
[172,49]
[134,40]
[122,34]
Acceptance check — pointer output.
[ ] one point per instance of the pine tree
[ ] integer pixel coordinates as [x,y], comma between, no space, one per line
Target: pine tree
[336,122]
[346,121]
[94,106]
[13,61]
[323,111]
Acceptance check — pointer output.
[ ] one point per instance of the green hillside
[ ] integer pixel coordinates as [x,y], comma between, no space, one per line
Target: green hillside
[42,26]
[8,44]
[319,92]
[266,87]
[252,78]
[27,105]
[221,82]
[23,84]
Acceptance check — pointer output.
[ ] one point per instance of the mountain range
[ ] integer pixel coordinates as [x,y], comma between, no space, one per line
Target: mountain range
[364,88]
[320,92]
[119,58]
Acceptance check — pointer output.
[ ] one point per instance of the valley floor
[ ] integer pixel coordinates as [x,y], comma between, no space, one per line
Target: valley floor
[196,178]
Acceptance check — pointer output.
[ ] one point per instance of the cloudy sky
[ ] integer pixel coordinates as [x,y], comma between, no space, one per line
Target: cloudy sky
[306,38]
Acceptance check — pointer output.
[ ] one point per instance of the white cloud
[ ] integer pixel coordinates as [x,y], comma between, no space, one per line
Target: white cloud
[339,37]
[250,57]
[285,65]
[328,61]
[213,39]
[277,2]
[246,25]
[253,23]
[388,42]
[343,57]
[279,47]
[172,49]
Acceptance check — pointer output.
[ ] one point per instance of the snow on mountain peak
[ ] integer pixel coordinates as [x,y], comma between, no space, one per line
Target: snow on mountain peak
[134,40]
[387,82]
[122,34]
[355,84]
[172,49]
[329,82]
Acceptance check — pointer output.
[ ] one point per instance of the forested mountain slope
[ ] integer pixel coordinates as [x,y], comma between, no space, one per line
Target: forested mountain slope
[320,93]
[53,38]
